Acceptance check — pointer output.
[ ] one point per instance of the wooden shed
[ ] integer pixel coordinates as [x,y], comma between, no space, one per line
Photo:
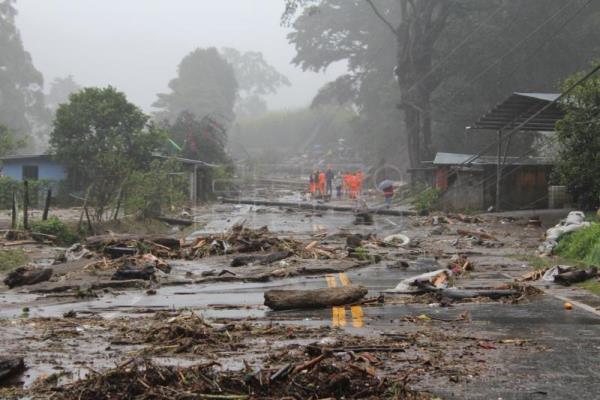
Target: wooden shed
[472,185]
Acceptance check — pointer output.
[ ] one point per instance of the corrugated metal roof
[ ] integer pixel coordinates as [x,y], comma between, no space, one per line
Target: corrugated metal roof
[459,159]
[25,157]
[540,96]
[520,107]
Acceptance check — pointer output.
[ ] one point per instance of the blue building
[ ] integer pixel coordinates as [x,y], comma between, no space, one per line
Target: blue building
[32,167]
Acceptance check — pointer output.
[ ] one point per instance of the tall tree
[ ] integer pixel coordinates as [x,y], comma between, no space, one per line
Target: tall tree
[203,139]
[21,95]
[102,138]
[256,78]
[60,90]
[205,84]
[579,143]
[8,142]
[452,59]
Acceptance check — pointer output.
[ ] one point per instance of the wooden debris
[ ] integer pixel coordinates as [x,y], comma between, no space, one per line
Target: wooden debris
[575,276]
[10,366]
[309,299]
[24,276]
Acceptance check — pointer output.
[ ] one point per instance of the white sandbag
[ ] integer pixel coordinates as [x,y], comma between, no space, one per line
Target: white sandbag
[574,222]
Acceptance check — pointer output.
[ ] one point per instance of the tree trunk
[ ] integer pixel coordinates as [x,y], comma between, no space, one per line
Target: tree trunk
[309,299]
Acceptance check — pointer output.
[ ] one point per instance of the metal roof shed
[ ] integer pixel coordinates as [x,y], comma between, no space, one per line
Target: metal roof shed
[528,112]
[519,108]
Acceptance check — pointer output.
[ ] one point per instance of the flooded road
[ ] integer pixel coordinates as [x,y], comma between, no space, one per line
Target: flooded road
[538,337]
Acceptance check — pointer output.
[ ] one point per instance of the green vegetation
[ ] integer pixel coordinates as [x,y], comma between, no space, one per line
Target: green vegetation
[102,138]
[55,227]
[535,261]
[149,192]
[21,84]
[427,199]
[8,141]
[582,245]
[582,249]
[579,137]
[11,259]
[205,84]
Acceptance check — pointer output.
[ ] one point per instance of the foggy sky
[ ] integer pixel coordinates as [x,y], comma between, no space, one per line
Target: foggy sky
[136,45]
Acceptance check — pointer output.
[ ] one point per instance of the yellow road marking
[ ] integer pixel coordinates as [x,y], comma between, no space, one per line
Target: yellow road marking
[341,315]
[331,281]
[344,279]
[335,314]
[357,311]
[357,317]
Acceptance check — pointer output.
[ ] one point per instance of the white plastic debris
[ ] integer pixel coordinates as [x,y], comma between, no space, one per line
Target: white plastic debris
[438,278]
[397,239]
[77,252]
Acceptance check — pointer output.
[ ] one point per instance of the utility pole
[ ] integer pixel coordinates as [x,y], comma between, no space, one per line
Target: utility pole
[499,171]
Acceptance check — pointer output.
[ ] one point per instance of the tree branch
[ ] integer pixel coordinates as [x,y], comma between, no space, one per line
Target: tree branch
[381,17]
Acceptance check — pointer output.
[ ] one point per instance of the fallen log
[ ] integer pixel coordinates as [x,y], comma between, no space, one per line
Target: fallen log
[176,221]
[260,259]
[575,276]
[10,366]
[319,207]
[126,274]
[462,294]
[310,299]
[24,276]
[101,241]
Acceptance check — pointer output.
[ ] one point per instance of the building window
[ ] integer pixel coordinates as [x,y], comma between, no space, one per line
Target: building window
[30,172]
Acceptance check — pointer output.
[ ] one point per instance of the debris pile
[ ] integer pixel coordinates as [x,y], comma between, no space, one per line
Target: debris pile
[319,378]
[240,239]
[562,274]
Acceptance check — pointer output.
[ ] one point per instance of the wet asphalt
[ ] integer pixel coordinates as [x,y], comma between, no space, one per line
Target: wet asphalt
[567,343]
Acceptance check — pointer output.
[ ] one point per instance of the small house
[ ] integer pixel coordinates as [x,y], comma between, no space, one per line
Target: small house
[32,168]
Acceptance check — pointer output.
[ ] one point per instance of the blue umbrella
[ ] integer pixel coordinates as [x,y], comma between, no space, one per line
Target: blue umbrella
[385,184]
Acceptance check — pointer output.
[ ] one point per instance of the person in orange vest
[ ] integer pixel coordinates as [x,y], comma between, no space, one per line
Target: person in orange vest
[322,183]
[346,180]
[352,182]
[360,176]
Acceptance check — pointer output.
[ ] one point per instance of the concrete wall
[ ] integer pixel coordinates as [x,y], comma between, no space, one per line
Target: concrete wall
[465,192]
[47,169]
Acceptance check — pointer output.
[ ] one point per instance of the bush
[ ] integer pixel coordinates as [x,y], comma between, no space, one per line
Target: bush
[427,199]
[11,259]
[149,193]
[55,227]
[582,245]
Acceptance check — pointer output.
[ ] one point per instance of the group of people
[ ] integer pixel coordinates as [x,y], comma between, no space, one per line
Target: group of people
[348,184]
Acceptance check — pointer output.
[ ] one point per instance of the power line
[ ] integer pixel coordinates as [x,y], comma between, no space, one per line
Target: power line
[535,115]
[454,50]
[529,54]
[511,50]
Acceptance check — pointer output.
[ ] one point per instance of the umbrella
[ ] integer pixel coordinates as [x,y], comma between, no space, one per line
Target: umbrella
[385,184]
